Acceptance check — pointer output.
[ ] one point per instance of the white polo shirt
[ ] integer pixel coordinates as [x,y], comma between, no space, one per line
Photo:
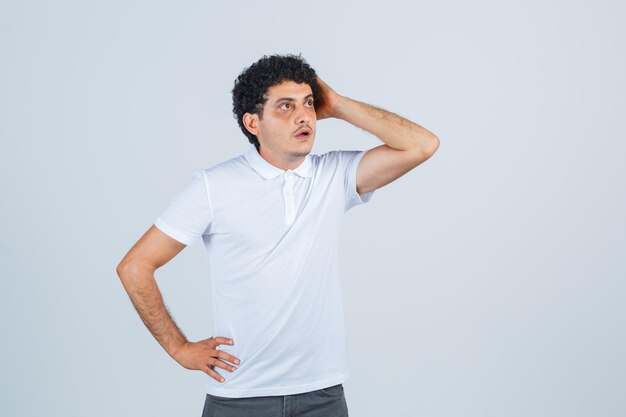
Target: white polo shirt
[272,238]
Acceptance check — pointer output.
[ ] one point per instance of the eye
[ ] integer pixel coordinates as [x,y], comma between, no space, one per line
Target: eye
[310,102]
[285,104]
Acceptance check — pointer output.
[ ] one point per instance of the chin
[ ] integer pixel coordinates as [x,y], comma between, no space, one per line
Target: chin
[303,150]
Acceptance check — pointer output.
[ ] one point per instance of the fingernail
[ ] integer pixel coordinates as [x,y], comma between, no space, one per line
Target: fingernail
[237,361]
[231,342]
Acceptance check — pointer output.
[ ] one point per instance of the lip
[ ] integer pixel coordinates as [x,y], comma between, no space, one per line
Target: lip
[304,129]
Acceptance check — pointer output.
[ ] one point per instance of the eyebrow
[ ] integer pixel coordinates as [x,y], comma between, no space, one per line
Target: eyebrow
[291,98]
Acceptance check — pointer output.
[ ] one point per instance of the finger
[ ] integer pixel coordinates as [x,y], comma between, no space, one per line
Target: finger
[223,365]
[223,340]
[212,373]
[228,357]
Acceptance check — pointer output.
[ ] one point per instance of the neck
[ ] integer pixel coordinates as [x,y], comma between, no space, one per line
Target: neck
[284,162]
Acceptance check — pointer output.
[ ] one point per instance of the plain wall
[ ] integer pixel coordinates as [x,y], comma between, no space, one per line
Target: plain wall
[488,281]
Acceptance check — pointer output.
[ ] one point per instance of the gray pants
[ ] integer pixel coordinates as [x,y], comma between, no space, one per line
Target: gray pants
[325,402]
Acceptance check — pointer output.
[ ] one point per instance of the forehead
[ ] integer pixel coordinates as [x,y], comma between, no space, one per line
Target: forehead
[290,89]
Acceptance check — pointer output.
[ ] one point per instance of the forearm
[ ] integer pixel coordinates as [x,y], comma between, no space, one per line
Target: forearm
[141,286]
[397,132]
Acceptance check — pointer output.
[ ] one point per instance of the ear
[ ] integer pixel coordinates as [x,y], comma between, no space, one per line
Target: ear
[251,122]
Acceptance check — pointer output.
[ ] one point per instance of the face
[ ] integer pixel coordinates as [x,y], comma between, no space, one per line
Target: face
[289,108]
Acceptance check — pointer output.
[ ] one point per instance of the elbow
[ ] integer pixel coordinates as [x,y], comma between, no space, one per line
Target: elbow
[426,148]
[132,268]
[426,144]
[125,268]
[121,269]
[433,145]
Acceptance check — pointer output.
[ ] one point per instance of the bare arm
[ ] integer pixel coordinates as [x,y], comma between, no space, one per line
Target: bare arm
[407,144]
[136,271]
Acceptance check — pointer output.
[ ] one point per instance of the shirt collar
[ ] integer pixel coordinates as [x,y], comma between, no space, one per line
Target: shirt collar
[269,171]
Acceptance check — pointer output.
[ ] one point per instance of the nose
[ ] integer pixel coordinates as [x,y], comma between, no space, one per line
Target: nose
[303,116]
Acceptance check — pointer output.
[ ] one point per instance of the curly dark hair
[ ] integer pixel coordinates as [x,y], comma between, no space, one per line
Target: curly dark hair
[251,86]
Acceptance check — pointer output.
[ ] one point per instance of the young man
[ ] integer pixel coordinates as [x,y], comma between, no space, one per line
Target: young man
[270,220]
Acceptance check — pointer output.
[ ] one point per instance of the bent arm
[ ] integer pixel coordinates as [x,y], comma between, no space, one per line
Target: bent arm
[406,144]
[395,131]
[136,271]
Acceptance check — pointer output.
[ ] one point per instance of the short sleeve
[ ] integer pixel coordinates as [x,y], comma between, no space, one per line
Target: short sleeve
[188,216]
[350,160]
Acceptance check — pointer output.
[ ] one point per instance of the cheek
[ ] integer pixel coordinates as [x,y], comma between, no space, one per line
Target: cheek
[278,124]
[272,129]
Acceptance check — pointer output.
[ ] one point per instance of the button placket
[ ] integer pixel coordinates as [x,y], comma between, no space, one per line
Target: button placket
[290,210]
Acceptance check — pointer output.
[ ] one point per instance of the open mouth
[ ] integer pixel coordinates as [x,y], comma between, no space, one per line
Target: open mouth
[304,134]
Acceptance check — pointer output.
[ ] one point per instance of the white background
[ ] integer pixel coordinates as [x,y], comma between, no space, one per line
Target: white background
[487,282]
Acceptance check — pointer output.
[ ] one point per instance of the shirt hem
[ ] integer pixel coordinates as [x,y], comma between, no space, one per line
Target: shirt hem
[265,392]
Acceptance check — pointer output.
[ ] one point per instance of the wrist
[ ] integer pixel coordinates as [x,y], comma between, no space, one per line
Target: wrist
[175,351]
[339,107]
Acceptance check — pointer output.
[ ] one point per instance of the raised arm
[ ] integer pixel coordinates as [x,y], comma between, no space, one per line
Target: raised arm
[407,144]
[136,271]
